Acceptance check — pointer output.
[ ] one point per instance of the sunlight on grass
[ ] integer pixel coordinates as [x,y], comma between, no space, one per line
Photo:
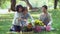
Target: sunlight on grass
[3,11]
[35,15]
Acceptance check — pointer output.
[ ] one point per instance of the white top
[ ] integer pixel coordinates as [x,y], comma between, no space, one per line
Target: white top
[15,20]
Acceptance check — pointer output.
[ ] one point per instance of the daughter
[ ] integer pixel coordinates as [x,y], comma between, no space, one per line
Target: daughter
[25,16]
[16,25]
[45,17]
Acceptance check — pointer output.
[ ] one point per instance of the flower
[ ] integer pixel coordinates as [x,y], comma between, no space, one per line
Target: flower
[38,22]
[38,28]
[48,28]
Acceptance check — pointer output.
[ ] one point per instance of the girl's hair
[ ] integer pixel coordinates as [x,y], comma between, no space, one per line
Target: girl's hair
[45,6]
[24,8]
[19,6]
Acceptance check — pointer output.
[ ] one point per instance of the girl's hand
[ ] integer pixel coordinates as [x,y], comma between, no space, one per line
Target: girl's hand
[44,25]
[19,19]
[25,19]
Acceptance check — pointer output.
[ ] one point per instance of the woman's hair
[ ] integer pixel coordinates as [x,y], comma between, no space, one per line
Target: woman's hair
[19,6]
[24,8]
[45,6]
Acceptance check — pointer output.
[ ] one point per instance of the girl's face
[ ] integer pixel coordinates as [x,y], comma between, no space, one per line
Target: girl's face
[44,9]
[20,10]
[25,11]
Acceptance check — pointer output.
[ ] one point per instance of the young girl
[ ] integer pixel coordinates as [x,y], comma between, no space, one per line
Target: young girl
[25,17]
[16,22]
[45,17]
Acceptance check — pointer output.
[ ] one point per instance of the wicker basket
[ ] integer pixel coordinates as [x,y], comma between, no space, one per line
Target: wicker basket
[20,33]
[27,32]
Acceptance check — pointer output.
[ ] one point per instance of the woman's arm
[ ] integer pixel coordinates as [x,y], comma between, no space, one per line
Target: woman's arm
[50,22]
[40,17]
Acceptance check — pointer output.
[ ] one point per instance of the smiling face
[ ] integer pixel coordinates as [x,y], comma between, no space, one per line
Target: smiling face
[25,11]
[20,10]
[44,9]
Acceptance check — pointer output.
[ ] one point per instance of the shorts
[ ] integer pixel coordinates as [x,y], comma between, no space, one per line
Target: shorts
[16,28]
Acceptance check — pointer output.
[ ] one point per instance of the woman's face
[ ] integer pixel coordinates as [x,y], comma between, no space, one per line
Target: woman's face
[44,10]
[20,10]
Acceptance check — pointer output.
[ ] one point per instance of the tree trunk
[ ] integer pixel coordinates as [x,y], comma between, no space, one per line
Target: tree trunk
[55,4]
[13,3]
[28,4]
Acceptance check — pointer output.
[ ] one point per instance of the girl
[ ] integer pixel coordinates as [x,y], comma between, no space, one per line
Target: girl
[45,17]
[16,25]
[25,17]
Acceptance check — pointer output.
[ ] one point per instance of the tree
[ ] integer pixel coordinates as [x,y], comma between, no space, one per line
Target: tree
[28,4]
[3,3]
[55,4]
[13,3]
[59,3]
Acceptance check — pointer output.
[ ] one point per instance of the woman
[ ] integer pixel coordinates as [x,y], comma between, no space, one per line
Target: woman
[46,18]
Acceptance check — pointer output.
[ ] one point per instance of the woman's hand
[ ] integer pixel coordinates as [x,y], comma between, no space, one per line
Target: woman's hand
[48,24]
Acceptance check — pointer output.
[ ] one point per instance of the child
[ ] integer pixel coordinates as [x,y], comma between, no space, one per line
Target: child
[45,17]
[25,17]
[16,25]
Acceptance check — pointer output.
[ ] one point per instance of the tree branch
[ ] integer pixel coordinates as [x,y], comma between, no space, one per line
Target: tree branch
[13,3]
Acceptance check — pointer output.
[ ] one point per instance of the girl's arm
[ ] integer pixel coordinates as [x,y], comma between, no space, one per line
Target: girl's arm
[31,17]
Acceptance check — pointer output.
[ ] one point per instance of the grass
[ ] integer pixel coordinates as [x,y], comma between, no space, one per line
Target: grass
[6,22]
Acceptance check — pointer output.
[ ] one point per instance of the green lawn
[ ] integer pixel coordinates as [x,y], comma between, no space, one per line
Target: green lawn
[6,20]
